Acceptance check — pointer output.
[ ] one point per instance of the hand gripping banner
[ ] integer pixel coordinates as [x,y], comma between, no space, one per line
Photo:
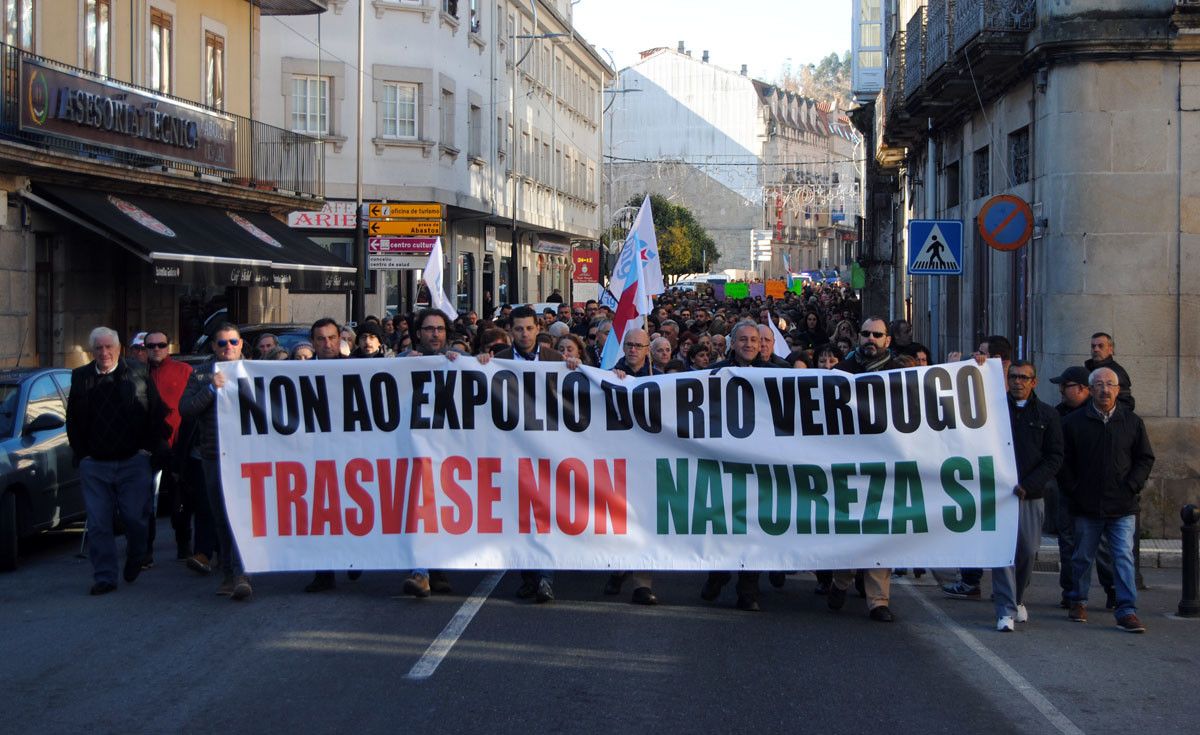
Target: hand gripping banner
[427,462]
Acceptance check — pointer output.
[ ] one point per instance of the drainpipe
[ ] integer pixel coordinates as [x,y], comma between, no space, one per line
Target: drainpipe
[935,284]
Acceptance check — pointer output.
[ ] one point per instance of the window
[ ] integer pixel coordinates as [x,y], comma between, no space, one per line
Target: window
[214,70]
[447,118]
[476,20]
[98,32]
[399,110]
[983,173]
[44,398]
[310,104]
[450,7]
[1018,156]
[18,23]
[475,132]
[501,140]
[161,41]
[952,181]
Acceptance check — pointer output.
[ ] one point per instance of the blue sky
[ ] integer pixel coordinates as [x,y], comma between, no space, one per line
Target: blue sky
[763,34]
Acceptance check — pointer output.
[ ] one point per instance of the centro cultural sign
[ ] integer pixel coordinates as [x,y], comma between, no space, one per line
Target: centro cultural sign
[112,115]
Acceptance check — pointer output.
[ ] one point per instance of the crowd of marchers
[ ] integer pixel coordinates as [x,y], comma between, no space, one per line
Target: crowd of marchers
[143,430]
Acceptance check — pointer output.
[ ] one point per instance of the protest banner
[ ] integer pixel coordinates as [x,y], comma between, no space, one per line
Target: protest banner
[737,291]
[427,462]
[776,289]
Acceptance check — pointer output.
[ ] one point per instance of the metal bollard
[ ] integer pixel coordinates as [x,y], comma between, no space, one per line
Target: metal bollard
[1189,605]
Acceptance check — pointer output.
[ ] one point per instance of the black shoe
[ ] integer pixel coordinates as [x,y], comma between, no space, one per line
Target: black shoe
[918,572]
[183,550]
[821,588]
[1110,600]
[881,614]
[527,590]
[859,586]
[321,582]
[749,603]
[353,575]
[1064,603]
[644,596]
[613,585]
[837,598]
[777,579]
[439,583]
[545,593]
[133,567]
[712,586]
[102,588]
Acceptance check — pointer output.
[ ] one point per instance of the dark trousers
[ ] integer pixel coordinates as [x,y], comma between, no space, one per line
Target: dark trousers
[112,488]
[231,560]
[747,582]
[195,510]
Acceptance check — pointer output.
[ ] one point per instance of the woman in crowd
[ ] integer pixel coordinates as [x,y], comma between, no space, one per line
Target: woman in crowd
[303,351]
[570,345]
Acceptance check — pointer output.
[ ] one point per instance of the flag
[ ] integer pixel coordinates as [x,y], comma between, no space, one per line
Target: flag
[635,277]
[433,281]
[787,265]
[781,346]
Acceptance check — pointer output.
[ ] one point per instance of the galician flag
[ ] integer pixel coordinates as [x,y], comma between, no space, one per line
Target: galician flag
[636,279]
[787,266]
[433,281]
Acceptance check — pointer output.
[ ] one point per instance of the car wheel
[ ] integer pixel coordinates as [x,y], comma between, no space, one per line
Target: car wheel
[8,532]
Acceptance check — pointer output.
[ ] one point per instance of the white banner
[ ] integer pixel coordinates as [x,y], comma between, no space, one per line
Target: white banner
[424,462]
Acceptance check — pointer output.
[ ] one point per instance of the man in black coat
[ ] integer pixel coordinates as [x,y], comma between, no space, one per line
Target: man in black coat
[115,422]
[1102,357]
[1107,460]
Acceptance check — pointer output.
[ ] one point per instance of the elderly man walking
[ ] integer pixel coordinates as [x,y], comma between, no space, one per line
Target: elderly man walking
[1107,460]
[115,422]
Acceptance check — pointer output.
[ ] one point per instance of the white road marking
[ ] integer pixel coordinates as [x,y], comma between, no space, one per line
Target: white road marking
[1061,722]
[433,656]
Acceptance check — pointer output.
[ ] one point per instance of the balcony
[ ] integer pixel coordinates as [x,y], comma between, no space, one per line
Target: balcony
[899,128]
[914,54]
[992,25]
[938,35]
[57,108]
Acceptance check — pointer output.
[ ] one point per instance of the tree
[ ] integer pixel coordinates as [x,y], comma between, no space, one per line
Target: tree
[828,79]
[684,246]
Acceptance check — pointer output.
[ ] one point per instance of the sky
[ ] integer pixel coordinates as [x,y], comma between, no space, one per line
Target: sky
[763,34]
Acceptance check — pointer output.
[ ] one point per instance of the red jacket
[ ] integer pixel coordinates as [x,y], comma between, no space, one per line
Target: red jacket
[171,377]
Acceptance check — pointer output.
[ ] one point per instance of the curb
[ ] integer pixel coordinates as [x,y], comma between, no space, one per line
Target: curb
[1047,558]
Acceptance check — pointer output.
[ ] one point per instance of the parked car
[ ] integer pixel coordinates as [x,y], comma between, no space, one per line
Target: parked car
[39,484]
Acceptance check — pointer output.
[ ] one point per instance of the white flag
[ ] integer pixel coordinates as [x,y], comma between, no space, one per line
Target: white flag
[781,346]
[433,281]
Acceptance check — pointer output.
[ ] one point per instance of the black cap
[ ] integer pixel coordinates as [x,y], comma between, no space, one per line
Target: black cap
[372,328]
[1074,374]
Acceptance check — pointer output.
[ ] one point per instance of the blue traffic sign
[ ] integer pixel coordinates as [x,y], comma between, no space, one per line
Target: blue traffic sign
[935,247]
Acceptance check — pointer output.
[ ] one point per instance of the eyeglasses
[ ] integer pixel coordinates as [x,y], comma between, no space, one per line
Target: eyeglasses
[640,346]
[157,345]
[1106,385]
[227,342]
[869,333]
[1021,378]
[1064,386]
[435,330]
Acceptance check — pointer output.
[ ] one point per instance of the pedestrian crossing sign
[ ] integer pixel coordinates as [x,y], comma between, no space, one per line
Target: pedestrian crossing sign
[935,247]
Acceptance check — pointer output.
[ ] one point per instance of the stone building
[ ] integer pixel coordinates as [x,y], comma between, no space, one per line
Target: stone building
[1089,111]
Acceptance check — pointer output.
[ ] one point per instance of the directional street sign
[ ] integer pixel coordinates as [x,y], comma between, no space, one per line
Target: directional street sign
[407,228]
[1005,222]
[400,245]
[935,247]
[404,211]
[396,262]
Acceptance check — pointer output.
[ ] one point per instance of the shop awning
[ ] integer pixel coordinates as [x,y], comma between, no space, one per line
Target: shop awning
[195,244]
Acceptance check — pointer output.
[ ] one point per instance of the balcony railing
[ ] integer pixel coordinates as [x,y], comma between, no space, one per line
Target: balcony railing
[973,17]
[938,34]
[252,154]
[894,79]
[914,52]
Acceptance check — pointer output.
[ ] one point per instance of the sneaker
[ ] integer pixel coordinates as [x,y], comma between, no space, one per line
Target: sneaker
[960,591]
[199,563]
[1078,613]
[1130,624]
[1022,614]
[545,593]
[1004,624]
[227,585]
[417,585]
[241,588]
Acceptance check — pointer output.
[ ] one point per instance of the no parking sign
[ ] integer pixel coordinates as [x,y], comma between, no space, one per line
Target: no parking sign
[1005,222]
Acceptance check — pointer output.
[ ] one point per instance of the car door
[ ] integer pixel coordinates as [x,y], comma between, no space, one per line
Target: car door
[70,491]
[40,453]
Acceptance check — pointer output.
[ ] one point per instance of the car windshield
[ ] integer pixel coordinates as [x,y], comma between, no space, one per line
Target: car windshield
[9,393]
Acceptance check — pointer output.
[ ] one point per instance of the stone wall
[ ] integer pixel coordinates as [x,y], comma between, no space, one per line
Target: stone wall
[16,292]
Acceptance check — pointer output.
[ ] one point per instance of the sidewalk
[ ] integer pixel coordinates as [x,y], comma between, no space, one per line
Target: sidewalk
[1156,553]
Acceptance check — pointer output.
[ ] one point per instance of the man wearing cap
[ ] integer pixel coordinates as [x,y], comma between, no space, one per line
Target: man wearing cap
[137,348]
[371,341]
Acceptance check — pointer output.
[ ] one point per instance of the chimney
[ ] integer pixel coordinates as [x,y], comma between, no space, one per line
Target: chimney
[743,70]
[704,57]
[681,47]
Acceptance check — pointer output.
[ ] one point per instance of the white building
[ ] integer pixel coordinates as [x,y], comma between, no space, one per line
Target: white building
[439,126]
[740,153]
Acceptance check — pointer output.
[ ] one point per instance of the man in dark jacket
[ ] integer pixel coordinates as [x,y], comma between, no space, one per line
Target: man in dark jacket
[1038,445]
[1102,357]
[115,423]
[199,403]
[1107,460]
[170,378]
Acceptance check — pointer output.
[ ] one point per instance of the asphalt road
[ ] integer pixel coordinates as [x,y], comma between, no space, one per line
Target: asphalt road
[165,655]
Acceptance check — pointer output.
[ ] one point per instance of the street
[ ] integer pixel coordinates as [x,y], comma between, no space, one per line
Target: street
[166,654]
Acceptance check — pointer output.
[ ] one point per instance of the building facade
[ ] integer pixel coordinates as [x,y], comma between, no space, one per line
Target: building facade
[742,154]
[1090,112]
[473,105]
[136,188]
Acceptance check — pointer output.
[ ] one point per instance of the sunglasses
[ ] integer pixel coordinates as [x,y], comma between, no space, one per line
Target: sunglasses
[226,342]
[157,345]
[496,347]
[869,333]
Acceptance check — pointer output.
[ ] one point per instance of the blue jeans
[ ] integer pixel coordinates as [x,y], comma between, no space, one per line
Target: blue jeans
[110,487]
[1119,534]
[231,560]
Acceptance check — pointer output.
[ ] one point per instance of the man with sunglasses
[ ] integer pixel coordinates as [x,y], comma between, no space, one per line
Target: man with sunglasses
[200,403]
[171,378]
[873,354]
